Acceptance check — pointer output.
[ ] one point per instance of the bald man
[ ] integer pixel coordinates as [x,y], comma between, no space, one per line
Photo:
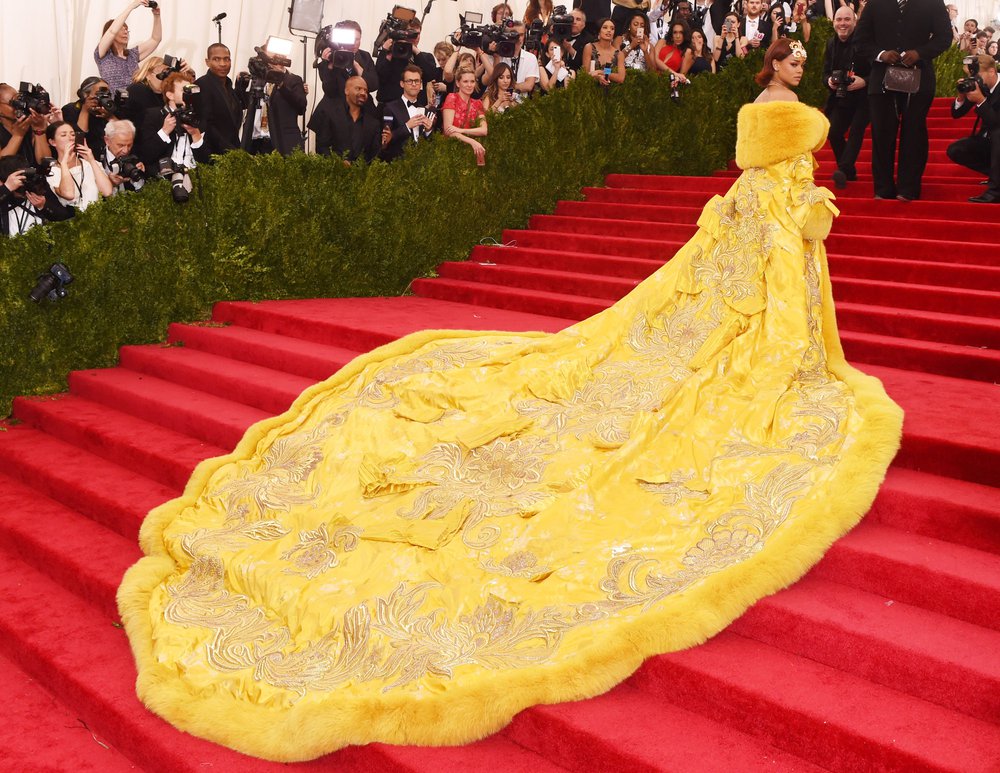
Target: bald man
[846,104]
[344,127]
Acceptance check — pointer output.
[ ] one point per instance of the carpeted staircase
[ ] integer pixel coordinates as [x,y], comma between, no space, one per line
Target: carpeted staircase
[885,657]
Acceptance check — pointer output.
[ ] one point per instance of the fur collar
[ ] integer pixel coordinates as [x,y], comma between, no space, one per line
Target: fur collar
[771,132]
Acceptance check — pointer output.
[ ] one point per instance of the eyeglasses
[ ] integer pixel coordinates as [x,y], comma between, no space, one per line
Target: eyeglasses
[413,80]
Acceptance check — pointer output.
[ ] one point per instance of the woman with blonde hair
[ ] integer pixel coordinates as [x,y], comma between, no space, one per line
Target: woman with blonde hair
[463,116]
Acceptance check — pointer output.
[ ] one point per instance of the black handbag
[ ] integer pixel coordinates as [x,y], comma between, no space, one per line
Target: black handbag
[905,80]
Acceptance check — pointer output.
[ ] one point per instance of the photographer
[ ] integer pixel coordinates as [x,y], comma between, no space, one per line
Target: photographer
[274,124]
[410,121]
[87,114]
[126,172]
[345,128]
[335,78]
[164,136]
[220,106]
[391,63]
[78,179]
[523,64]
[846,76]
[25,198]
[980,150]
[15,130]
[116,62]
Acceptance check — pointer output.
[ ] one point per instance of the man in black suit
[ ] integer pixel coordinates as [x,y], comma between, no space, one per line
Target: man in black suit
[335,78]
[578,38]
[910,33]
[345,127]
[755,26]
[981,150]
[220,106]
[273,124]
[847,101]
[410,122]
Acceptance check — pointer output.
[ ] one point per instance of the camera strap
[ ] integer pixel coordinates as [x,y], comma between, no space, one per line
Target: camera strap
[515,63]
[79,185]
[24,213]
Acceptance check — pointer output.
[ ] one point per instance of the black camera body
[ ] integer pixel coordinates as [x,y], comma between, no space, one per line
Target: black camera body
[53,284]
[36,177]
[112,103]
[173,64]
[841,79]
[560,25]
[969,84]
[128,167]
[188,114]
[397,29]
[504,36]
[176,173]
[342,57]
[259,66]
[471,33]
[31,97]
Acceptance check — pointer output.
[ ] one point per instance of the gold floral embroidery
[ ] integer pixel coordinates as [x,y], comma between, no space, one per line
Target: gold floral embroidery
[317,550]
[520,564]
[674,490]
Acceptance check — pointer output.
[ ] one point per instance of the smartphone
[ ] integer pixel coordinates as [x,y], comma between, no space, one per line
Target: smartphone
[607,71]
[387,122]
[557,55]
[639,33]
[758,36]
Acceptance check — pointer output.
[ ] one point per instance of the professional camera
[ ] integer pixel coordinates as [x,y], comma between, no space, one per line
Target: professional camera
[188,114]
[259,66]
[128,167]
[36,177]
[841,79]
[504,36]
[173,63]
[560,25]
[968,84]
[470,34]
[340,40]
[53,284]
[177,174]
[396,27]
[112,103]
[31,97]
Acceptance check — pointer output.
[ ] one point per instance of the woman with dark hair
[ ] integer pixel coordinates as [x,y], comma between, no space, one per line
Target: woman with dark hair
[499,94]
[702,59]
[459,525]
[555,74]
[728,45]
[782,71]
[538,9]
[634,44]
[603,60]
[116,62]
[78,179]
[673,54]
[500,12]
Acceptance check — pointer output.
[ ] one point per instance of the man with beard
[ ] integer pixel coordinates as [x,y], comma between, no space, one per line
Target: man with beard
[345,127]
[847,103]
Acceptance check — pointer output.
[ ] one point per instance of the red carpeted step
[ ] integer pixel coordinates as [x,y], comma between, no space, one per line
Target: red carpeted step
[918,272]
[950,424]
[936,155]
[364,323]
[627,730]
[970,362]
[107,493]
[951,510]
[924,325]
[40,734]
[924,654]
[269,390]
[81,555]
[213,419]
[639,248]
[143,447]
[292,355]
[832,718]
[936,575]
[571,307]
[587,285]
[560,260]
[963,301]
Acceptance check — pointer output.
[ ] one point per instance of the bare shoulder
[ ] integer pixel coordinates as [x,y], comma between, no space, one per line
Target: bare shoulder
[776,95]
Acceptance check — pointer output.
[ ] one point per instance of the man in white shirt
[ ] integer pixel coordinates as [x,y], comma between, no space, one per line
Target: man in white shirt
[755,27]
[524,65]
[119,137]
[403,120]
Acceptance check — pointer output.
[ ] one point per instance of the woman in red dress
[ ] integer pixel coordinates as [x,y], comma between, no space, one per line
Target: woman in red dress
[673,54]
[464,117]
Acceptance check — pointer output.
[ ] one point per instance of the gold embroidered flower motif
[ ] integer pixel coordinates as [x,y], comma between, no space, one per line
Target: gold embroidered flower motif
[674,490]
[317,550]
[519,564]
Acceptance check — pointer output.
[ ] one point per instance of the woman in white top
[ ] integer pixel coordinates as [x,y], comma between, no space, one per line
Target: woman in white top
[79,179]
[635,46]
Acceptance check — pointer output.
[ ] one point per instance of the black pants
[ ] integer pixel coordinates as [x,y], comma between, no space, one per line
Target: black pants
[906,115]
[260,146]
[979,153]
[848,120]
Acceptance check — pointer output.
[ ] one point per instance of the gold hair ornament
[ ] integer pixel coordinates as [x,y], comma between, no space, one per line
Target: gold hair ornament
[798,51]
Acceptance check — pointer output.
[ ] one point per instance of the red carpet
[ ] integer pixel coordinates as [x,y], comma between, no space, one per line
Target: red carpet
[883,658]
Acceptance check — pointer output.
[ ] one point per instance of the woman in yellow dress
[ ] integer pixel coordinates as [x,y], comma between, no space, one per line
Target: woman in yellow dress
[460,525]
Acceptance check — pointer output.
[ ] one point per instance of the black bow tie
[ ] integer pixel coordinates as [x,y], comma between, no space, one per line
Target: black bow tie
[410,104]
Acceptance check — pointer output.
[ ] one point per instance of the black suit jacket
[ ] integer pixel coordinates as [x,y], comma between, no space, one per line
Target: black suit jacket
[987,114]
[153,148]
[220,117]
[923,26]
[594,10]
[764,26]
[402,137]
[390,73]
[333,126]
[287,102]
[334,78]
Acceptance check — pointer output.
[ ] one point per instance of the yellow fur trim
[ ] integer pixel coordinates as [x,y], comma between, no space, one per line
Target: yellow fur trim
[771,132]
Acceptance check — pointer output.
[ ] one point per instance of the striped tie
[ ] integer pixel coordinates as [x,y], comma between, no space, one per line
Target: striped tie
[901,4]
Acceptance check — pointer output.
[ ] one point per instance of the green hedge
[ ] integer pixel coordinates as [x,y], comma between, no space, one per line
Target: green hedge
[306,226]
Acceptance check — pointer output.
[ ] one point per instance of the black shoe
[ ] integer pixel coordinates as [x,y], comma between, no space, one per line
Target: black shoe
[839,179]
[986,198]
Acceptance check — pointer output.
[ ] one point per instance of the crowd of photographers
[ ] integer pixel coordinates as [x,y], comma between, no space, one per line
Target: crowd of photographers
[147,116]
